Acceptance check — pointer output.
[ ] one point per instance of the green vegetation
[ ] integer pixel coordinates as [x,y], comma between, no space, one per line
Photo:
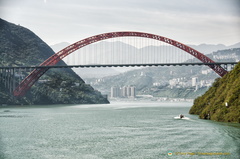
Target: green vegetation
[21,47]
[222,101]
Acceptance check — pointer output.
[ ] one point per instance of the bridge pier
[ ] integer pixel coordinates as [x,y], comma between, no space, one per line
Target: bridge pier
[232,66]
[8,79]
[228,67]
[225,67]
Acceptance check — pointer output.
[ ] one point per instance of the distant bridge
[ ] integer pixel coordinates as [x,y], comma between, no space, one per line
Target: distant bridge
[120,54]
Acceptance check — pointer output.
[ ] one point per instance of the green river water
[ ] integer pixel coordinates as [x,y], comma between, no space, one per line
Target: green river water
[134,130]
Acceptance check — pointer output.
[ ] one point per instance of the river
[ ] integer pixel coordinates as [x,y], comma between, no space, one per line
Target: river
[134,130]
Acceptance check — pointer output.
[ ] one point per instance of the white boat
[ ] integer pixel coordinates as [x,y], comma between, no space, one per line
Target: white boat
[181,117]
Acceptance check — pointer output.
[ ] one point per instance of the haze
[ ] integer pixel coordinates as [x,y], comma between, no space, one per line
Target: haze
[187,21]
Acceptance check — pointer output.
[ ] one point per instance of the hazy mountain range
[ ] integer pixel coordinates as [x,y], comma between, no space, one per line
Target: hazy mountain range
[167,81]
[144,78]
[103,72]
[204,48]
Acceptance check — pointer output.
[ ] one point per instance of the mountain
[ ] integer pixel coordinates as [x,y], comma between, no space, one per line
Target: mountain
[203,48]
[168,81]
[21,47]
[59,46]
[95,72]
[222,101]
[109,51]
[209,48]
[84,72]
[171,82]
[237,45]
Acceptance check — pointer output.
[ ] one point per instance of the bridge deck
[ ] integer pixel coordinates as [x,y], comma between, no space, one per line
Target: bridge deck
[122,65]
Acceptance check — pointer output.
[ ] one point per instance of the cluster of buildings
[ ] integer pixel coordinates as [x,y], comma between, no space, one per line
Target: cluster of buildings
[194,82]
[201,83]
[123,92]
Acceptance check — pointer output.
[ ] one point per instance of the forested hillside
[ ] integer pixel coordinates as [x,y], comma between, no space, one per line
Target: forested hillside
[21,47]
[222,101]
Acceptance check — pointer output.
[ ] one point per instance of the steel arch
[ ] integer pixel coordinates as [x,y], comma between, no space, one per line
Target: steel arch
[27,83]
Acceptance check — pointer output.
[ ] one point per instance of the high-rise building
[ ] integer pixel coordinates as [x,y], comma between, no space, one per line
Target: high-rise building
[114,92]
[128,91]
[124,91]
[133,92]
[194,81]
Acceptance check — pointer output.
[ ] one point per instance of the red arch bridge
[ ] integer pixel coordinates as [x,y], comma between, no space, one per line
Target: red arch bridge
[115,49]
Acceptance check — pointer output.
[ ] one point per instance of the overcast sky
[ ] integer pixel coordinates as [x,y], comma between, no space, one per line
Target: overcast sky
[187,21]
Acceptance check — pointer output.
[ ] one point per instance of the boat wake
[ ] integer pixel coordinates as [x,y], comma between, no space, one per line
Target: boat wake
[184,118]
